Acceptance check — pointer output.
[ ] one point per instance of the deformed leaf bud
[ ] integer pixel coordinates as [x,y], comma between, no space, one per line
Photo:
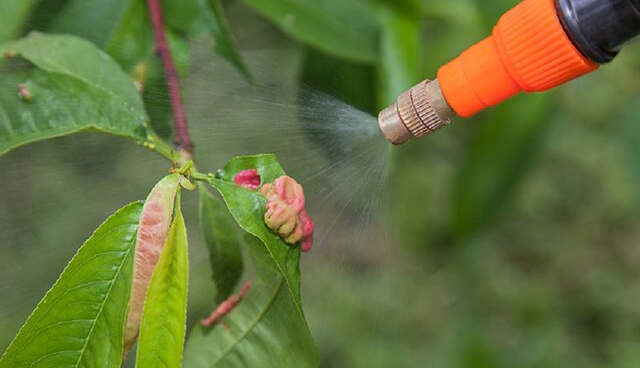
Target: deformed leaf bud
[285,212]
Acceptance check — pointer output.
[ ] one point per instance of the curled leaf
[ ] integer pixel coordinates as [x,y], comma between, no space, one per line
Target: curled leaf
[152,236]
[285,212]
[162,330]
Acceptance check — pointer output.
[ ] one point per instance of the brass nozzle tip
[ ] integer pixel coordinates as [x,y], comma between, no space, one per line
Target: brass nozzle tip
[392,126]
[417,112]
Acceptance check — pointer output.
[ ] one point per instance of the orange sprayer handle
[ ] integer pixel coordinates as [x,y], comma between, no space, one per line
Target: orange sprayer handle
[528,51]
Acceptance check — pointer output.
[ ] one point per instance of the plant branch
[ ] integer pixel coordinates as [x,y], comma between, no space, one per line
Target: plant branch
[181,138]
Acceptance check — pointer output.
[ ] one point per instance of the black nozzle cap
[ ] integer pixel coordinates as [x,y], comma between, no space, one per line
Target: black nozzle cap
[598,28]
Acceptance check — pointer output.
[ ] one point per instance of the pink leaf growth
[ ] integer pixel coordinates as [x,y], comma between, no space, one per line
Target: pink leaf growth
[226,306]
[249,179]
[286,214]
[152,235]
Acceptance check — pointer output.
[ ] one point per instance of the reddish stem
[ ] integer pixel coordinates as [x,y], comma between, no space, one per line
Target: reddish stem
[181,137]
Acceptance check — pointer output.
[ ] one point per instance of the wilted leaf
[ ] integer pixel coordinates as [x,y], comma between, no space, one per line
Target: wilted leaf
[80,322]
[344,28]
[268,328]
[223,240]
[73,87]
[165,310]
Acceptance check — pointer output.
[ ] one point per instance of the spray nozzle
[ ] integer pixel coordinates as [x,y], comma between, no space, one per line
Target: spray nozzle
[416,113]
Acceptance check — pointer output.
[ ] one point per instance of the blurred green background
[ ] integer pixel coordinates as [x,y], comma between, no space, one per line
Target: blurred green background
[513,238]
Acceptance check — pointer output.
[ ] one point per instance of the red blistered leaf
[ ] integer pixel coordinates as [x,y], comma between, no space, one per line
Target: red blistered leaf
[249,179]
[152,235]
[285,212]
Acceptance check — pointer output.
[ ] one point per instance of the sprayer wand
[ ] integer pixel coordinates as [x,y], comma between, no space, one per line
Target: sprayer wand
[537,45]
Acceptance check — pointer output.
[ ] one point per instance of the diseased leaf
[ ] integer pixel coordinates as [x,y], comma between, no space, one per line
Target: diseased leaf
[223,240]
[80,321]
[346,29]
[73,87]
[268,328]
[165,310]
[498,156]
[152,237]
[248,207]
[267,166]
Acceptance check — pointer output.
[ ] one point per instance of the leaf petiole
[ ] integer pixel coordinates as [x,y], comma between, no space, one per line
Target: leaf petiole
[186,168]
[198,176]
[158,145]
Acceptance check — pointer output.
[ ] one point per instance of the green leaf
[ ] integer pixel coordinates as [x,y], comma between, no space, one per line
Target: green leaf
[223,240]
[165,309]
[400,59]
[120,27]
[194,17]
[123,29]
[268,328]
[264,330]
[12,16]
[80,321]
[74,87]
[93,20]
[497,159]
[346,29]
[130,41]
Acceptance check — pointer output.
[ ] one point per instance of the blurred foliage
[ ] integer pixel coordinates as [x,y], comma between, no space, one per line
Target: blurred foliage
[343,28]
[12,16]
[517,230]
